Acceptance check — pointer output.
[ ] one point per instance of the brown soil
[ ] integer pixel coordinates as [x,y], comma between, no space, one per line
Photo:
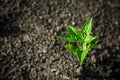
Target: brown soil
[29,49]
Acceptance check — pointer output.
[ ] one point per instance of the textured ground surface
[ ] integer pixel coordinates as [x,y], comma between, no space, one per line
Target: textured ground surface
[29,49]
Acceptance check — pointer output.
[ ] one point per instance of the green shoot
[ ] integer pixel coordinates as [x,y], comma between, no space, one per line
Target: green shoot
[85,42]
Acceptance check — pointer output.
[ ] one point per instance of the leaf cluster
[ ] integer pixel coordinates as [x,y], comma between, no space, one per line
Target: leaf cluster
[85,42]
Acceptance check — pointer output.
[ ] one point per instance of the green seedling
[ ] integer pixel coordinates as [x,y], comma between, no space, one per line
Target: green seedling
[83,40]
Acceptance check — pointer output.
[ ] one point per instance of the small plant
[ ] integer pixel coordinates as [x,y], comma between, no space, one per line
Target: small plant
[83,40]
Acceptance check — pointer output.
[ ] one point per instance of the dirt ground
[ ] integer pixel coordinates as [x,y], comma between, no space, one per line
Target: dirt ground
[29,49]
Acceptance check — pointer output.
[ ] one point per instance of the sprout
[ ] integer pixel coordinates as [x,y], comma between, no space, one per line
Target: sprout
[85,42]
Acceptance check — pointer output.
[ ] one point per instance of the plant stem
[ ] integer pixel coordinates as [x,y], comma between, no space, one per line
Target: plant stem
[81,69]
[79,45]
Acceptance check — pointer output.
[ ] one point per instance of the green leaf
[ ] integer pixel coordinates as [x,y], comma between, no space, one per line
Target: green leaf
[94,42]
[83,55]
[89,38]
[71,48]
[79,53]
[82,37]
[87,27]
[75,33]
[67,38]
